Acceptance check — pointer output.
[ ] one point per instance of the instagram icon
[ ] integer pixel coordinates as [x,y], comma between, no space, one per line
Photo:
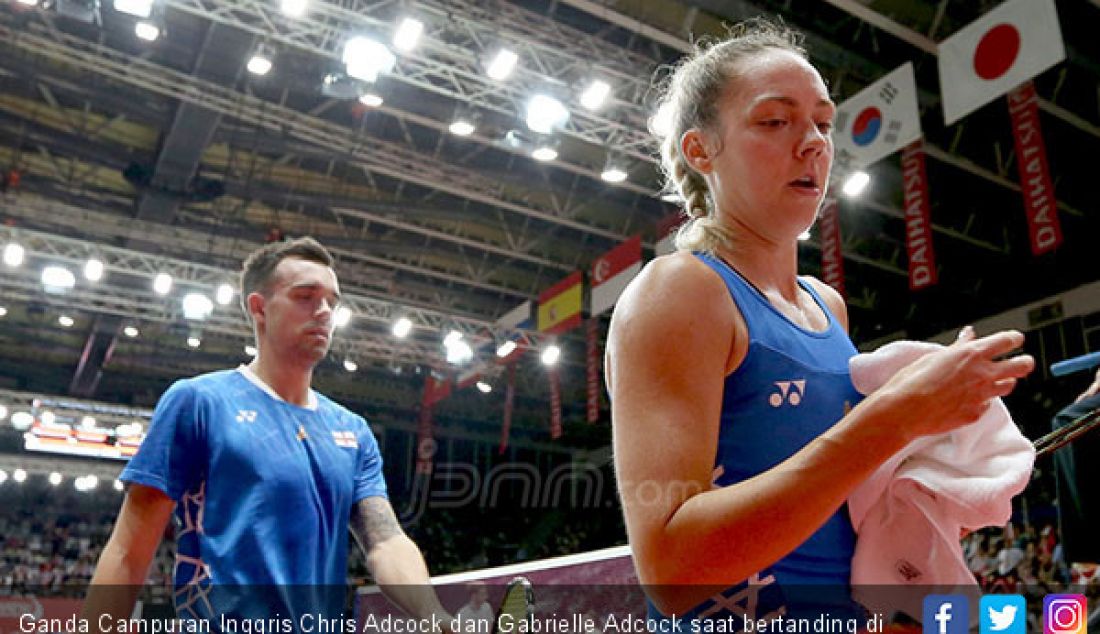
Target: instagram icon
[1065,614]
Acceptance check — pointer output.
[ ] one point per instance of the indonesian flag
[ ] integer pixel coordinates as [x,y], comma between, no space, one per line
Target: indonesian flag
[878,121]
[997,52]
[612,271]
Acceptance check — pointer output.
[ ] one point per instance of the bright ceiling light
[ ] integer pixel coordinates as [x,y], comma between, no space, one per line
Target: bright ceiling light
[366,59]
[506,348]
[197,306]
[461,127]
[3,311]
[613,174]
[22,421]
[14,254]
[371,99]
[407,34]
[259,64]
[804,236]
[250,350]
[3,476]
[544,113]
[502,65]
[55,478]
[130,331]
[452,337]
[139,8]
[19,475]
[29,3]
[660,123]
[672,197]
[3,412]
[162,283]
[551,355]
[402,327]
[224,294]
[118,485]
[93,269]
[65,321]
[147,31]
[193,342]
[87,422]
[459,352]
[596,93]
[856,183]
[544,153]
[57,279]
[484,387]
[350,365]
[293,8]
[341,317]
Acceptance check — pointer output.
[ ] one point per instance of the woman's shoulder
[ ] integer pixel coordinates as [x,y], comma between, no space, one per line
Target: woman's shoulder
[678,279]
[831,297]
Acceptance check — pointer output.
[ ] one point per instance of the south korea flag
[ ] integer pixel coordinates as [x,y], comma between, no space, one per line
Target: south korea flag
[878,121]
[996,53]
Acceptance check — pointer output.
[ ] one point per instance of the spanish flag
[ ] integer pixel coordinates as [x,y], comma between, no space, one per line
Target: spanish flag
[560,305]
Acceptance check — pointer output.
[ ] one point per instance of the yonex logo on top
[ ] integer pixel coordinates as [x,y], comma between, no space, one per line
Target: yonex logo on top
[246,416]
[788,392]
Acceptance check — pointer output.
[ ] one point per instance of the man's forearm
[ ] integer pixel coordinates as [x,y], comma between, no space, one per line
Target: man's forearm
[400,571]
[114,588]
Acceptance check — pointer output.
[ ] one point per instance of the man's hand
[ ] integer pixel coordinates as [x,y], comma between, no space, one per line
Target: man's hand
[1092,390]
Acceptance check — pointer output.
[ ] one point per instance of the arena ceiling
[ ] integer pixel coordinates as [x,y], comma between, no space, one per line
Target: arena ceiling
[171,156]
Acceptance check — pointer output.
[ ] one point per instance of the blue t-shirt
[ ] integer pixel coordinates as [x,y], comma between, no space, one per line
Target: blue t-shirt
[792,385]
[264,493]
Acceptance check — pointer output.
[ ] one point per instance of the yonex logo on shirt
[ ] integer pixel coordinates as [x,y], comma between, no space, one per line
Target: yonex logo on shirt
[345,439]
[788,392]
[246,416]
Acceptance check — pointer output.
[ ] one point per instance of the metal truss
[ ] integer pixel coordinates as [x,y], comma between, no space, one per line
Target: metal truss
[378,156]
[450,58]
[136,301]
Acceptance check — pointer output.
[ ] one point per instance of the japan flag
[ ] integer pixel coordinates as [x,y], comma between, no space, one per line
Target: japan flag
[997,52]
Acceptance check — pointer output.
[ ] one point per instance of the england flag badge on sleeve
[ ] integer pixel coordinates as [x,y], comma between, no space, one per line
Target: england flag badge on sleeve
[345,439]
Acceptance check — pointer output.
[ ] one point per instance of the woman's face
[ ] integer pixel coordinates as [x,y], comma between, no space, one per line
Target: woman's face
[770,167]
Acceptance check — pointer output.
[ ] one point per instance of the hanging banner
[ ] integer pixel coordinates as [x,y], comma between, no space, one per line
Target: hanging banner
[1043,225]
[918,219]
[832,260]
[555,403]
[509,400]
[435,390]
[592,366]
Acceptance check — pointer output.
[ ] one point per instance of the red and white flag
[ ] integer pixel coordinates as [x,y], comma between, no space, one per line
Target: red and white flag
[878,120]
[832,260]
[918,219]
[997,52]
[1044,228]
[612,271]
[666,232]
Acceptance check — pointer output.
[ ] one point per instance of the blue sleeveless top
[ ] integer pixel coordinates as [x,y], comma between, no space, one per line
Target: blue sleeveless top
[792,385]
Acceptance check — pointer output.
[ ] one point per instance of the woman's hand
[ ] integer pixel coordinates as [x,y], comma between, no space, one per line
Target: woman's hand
[952,387]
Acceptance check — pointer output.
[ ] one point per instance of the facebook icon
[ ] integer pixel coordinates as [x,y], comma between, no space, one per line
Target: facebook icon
[946,614]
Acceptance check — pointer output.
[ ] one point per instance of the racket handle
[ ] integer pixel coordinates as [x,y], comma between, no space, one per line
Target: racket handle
[1076,364]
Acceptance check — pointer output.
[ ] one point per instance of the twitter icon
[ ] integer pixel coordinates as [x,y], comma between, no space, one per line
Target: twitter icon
[1003,614]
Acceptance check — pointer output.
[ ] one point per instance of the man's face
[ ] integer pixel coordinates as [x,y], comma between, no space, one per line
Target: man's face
[295,319]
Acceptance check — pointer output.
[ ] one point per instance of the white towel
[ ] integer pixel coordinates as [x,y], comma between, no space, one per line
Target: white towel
[909,513]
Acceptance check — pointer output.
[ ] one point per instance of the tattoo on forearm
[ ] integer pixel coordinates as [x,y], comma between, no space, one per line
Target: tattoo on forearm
[375,521]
